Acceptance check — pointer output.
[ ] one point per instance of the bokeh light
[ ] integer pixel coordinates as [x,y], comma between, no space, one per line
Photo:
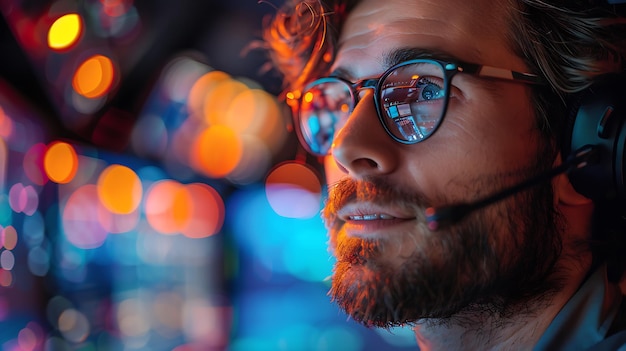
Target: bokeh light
[31,337]
[94,77]
[38,261]
[6,278]
[65,31]
[60,162]
[119,189]
[81,218]
[7,260]
[132,318]
[218,100]
[255,161]
[34,164]
[294,190]
[217,151]
[9,237]
[202,88]
[6,124]
[167,206]
[207,211]
[179,77]
[74,325]
[23,199]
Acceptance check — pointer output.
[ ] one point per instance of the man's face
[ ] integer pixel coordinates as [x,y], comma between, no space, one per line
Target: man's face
[391,269]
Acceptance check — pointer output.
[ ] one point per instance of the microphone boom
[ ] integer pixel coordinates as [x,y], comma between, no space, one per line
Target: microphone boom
[436,217]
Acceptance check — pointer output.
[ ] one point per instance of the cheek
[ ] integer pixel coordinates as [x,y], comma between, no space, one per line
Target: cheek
[499,128]
[333,173]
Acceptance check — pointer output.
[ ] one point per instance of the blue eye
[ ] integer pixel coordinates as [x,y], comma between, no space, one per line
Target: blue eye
[430,90]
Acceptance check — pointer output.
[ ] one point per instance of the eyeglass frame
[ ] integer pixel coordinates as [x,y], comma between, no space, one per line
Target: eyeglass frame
[450,69]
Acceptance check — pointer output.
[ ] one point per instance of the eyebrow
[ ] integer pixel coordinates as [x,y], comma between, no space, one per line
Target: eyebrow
[400,55]
[397,56]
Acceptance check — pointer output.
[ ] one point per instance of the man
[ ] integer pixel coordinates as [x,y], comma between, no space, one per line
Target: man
[450,101]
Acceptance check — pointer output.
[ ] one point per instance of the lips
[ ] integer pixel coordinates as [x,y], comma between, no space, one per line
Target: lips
[368,220]
[365,211]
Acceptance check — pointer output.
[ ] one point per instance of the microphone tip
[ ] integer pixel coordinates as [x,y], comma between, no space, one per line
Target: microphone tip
[432,218]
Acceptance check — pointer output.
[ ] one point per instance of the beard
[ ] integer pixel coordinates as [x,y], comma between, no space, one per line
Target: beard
[495,261]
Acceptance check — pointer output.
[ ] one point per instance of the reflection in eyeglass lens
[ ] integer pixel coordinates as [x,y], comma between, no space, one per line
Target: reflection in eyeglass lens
[413,100]
[324,110]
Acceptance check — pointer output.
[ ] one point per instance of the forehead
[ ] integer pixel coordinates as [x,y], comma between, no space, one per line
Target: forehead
[472,31]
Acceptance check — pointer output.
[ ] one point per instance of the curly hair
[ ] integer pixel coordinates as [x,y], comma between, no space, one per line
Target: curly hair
[302,37]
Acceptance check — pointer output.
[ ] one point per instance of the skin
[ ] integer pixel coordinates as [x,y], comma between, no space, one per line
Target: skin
[488,138]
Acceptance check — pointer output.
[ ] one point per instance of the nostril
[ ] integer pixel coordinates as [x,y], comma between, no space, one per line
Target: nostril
[370,163]
[364,164]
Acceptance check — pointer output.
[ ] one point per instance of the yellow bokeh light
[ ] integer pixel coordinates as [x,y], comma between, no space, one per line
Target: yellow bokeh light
[308,97]
[217,151]
[65,31]
[60,162]
[94,77]
[119,189]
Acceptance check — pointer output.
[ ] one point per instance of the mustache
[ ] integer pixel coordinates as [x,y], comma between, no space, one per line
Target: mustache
[374,190]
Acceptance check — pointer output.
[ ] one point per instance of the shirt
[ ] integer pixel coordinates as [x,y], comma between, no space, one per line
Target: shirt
[586,319]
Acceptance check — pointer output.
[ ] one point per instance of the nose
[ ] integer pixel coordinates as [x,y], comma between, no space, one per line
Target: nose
[362,148]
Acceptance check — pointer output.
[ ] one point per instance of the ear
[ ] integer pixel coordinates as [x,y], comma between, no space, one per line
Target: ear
[564,192]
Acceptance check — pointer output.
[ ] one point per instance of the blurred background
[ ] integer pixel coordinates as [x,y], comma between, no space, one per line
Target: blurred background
[152,194]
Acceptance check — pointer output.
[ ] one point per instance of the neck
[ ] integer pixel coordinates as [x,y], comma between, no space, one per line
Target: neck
[484,330]
[481,328]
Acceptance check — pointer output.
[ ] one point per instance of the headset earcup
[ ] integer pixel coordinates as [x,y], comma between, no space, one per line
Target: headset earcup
[599,121]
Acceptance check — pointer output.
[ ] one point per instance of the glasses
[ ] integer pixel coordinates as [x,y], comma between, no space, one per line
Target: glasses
[411,99]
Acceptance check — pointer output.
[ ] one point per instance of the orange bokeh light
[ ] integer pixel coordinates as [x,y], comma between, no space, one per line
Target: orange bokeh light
[253,111]
[94,77]
[219,99]
[202,87]
[119,189]
[207,213]
[9,238]
[6,124]
[60,162]
[217,151]
[294,190]
[168,206]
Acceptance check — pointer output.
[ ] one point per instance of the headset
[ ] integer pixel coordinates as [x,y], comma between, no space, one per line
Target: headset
[597,118]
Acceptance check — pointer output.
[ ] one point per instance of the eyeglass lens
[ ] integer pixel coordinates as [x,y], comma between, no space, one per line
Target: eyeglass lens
[411,102]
